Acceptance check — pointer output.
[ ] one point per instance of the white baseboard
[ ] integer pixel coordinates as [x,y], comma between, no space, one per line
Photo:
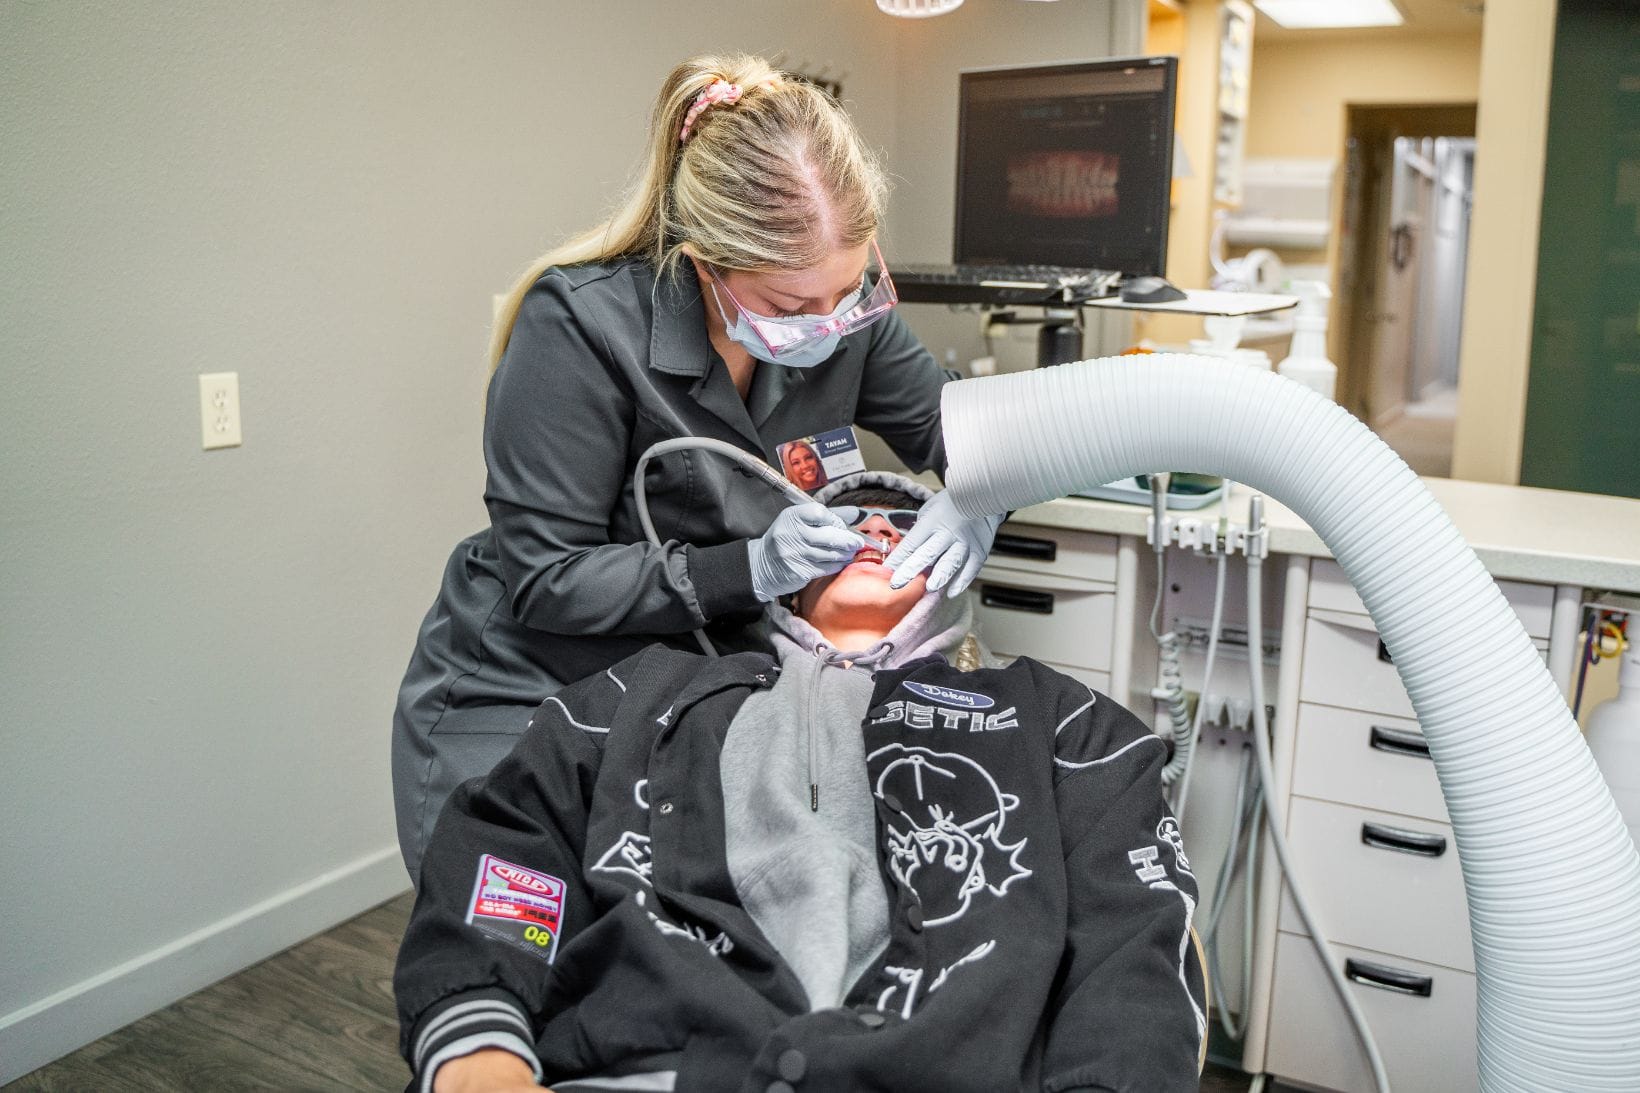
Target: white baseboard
[89,1010]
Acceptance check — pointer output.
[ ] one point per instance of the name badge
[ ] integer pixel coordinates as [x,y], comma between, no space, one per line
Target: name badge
[809,462]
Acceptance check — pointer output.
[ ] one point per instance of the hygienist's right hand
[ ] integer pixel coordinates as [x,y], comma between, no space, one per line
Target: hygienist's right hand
[804,542]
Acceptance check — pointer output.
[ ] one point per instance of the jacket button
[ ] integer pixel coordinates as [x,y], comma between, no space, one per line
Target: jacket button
[666,808]
[792,1065]
[913,917]
[780,1087]
[873,1020]
[892,803]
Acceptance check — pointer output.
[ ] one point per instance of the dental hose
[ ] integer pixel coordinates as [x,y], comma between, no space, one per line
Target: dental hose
[1267,777]
[759,468]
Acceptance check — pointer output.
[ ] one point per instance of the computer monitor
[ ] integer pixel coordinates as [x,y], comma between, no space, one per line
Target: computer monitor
[1067,165]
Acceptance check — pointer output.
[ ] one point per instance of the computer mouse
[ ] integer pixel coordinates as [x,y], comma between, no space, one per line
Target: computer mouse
[1149,290]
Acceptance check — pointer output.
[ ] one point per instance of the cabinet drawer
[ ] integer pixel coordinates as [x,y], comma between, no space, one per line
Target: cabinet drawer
[1365,759]
[1381,881]
[1331,590]
[1428,1043]
[1346,665]
[1059,621]
[1057,551]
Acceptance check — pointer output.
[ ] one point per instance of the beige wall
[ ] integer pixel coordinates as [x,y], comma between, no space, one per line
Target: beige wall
[1501,286]
[1300,88]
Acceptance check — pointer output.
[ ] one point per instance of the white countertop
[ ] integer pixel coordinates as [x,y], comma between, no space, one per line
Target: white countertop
[1520,533]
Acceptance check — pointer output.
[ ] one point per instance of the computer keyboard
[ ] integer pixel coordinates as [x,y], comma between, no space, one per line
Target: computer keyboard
[948,284]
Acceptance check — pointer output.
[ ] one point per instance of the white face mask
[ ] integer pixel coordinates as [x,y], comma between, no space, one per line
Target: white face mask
[805,353]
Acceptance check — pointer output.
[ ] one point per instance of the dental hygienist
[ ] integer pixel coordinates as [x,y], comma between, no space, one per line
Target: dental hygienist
[728,297]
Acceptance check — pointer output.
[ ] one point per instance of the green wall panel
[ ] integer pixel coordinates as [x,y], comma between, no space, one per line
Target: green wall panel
[1583,393]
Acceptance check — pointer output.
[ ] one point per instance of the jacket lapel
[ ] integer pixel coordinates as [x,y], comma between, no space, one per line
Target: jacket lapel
[678,346]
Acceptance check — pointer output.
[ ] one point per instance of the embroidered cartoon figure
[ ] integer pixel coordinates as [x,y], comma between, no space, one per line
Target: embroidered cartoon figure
[945,837]
[910,979]
[717,946]
[1168,832]
[630,855]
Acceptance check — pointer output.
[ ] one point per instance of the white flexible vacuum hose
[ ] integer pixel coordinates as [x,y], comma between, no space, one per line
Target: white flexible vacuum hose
[1551,875]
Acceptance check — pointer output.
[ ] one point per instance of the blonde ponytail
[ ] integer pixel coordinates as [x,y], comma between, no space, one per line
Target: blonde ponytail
[776,180]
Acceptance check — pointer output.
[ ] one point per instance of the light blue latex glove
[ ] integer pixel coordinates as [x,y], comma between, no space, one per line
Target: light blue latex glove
[804,542]
[946,540]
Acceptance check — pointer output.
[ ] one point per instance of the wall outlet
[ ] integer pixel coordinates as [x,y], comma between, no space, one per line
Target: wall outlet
[219,410]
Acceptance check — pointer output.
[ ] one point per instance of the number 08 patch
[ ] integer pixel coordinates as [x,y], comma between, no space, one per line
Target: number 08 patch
[518,905]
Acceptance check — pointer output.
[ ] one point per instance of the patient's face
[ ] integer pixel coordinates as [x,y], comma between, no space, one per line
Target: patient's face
[858,596]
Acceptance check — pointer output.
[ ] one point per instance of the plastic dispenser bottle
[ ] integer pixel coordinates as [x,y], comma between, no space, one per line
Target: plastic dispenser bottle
[1308,363]
[1613,735]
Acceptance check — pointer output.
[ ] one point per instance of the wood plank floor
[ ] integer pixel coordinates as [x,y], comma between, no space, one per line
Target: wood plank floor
[317,1017]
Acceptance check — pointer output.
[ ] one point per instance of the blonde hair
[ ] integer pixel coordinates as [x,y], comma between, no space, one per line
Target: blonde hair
[778,180]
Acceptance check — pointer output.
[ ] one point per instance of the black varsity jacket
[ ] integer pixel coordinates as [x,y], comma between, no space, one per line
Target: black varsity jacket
[577,902]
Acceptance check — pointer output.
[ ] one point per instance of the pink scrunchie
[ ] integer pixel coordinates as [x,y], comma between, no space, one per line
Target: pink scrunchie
[720,91]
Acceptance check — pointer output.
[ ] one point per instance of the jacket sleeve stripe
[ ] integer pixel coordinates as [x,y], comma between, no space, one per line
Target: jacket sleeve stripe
[571,717]
[1131,744]
[1088,705]
[466,1045]
[465,1013]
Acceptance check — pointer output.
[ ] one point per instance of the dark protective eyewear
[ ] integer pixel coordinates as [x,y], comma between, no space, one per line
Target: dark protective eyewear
[902,519]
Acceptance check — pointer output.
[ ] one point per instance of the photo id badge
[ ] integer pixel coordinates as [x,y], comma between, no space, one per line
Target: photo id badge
[810,462]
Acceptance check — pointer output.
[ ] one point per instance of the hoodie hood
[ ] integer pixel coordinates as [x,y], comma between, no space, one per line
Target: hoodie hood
[884,479]
[935,624]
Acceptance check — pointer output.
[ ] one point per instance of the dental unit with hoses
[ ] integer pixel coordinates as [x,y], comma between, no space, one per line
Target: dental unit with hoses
[1558,1004]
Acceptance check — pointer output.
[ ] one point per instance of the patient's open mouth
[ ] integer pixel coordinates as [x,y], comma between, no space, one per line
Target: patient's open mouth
[867,554]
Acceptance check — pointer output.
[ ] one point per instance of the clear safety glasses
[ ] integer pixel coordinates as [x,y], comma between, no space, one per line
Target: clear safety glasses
[901,519]
[782,335]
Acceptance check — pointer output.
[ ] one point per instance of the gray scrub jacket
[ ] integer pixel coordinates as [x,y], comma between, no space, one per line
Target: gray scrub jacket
[604,361]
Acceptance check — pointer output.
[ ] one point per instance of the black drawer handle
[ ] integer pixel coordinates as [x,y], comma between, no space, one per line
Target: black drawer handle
[1388,979]
[1381,837]
[1383,652]
[1025,546]
[1016,599]
[1399,742]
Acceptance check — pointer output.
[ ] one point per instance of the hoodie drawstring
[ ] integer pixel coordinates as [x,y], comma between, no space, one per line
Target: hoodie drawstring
[831,658]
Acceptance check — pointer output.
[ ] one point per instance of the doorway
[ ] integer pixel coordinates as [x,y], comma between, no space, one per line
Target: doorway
[1404,243]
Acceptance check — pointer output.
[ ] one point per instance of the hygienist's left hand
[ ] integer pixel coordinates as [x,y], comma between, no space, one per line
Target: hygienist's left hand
[953,544]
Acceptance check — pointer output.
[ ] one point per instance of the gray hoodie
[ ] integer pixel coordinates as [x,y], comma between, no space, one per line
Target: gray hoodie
[809,875]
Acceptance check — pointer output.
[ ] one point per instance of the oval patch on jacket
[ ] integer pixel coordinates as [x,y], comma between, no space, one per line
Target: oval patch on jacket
[950,696]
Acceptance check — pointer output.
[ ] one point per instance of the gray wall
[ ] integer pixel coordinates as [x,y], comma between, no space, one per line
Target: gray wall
[201,649]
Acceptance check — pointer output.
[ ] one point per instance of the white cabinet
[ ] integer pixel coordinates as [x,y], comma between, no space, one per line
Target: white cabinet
[1369,833]
[1050,594]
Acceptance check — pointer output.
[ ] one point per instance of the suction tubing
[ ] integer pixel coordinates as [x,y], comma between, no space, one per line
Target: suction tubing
[1550,872]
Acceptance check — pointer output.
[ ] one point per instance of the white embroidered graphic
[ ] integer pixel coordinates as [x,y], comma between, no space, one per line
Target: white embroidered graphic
[950,695]
[916,715]
[717,946]
[937,843]
[1145,858]
[1168,832]
[910,979]
[1184,949]
[610,672]
[975,955]
[665,717]
[629,855]
[640,793]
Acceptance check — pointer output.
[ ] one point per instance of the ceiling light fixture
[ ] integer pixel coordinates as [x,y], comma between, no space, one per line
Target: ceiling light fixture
[1331,14]
[917,9]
